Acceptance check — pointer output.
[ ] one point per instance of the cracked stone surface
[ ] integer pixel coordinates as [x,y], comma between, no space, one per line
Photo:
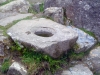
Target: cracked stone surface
[84,42]
[7,20]
[44,35]
[79,69]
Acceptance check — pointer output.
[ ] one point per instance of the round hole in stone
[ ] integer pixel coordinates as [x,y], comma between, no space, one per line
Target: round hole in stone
[44,32]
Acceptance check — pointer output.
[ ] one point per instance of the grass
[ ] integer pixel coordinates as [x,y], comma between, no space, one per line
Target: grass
[37,60]
[75,56]
[5,66]
[42,7]
[8,1]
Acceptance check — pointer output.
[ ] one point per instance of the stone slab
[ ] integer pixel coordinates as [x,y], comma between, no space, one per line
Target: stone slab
[44,35]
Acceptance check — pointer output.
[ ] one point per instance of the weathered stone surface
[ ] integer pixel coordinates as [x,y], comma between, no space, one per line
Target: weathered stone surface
[36,7]
[6,14]
[55,13]
[93,60]
[2,1]
[17,69]
[44,35]
[79,69]
[84,42]
[83,13]
[20,6]
[7,20]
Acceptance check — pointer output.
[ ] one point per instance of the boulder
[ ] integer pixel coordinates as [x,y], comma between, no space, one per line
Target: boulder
[83,13]
[8,20]
[85,41]
[79,69]
[20,6]
[55,13]
[44,35]
[16,69]
[93,59]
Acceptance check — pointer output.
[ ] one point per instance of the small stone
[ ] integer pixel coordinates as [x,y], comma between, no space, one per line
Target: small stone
[79,69]
[17,69]
[55,13]
[44,35]
[84,42]
[7,20]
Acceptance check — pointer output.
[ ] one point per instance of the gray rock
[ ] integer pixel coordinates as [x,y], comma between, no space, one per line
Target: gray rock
[93,60]
[2,1]
[20,6]
[7,20]
[36,1]
[44,35]
[79,69]
[83,13]
[37,6]
[55,13]
[84,42]
[17,69]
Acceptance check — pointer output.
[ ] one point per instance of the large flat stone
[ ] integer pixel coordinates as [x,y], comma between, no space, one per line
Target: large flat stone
[85,41]
[79,69]
[44,35]
[83,13]
[7,20]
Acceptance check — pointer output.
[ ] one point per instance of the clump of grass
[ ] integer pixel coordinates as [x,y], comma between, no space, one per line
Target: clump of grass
[42,7]
[75,56]
[36,59]
[5,66]
[8,1]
